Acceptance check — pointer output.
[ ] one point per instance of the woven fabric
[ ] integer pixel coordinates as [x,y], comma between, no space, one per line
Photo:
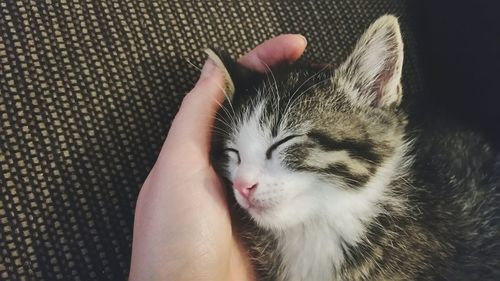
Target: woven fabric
[88,91]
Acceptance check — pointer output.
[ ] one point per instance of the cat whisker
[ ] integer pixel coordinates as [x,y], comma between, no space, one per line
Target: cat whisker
[223,91]
[306,91]
[220,87]
[275,84]
[219,129]
[301,85]
[219,132]
[192,64]
[228,114]
[223,122]
[217,116]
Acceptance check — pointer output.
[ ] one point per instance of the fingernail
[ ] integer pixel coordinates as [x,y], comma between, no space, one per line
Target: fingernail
[208,69]
[303,38]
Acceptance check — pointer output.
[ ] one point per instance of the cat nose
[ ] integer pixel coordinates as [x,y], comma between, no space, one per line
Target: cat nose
[245,188]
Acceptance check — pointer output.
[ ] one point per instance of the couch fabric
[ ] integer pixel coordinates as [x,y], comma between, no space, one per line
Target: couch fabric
[87,93]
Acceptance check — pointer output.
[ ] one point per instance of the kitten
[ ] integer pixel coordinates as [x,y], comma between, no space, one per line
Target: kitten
[331,183]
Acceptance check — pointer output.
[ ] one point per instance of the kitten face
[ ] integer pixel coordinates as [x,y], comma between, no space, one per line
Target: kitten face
[278,195]
[265,184]
[300,143]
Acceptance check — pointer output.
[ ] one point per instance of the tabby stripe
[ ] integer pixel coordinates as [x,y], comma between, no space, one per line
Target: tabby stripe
[363,150]
[342,170]
[269,152]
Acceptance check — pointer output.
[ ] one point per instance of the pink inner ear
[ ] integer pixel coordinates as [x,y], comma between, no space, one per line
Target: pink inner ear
[374,67]
[383,81]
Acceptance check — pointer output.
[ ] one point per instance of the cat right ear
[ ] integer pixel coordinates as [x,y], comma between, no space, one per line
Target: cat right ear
[372,73]
[236,75]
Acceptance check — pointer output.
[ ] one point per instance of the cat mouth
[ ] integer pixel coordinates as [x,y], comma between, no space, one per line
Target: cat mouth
[252,206]
[256,208]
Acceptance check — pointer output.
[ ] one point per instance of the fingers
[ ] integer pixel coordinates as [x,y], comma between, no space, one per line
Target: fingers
[192,124]
[280,49]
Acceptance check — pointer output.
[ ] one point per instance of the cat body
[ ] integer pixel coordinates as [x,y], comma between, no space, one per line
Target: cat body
[333,180]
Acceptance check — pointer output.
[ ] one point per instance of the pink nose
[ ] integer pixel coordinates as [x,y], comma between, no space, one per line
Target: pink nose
[245,188]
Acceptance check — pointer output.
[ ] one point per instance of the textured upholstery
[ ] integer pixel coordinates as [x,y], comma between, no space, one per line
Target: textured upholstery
[87,93]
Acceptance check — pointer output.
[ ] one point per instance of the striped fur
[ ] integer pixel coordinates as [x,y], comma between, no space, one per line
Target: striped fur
[336,194]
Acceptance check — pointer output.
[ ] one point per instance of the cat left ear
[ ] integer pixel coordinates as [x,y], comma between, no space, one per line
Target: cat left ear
[372,73]
[235,75]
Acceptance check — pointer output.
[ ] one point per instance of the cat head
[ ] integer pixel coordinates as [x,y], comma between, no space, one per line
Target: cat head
[299,143]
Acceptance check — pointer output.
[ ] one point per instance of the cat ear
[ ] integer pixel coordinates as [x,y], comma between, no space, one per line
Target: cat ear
[236,76]
[372,73]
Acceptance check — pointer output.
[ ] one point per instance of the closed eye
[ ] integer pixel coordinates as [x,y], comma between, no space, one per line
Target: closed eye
[275,145]
[232,150]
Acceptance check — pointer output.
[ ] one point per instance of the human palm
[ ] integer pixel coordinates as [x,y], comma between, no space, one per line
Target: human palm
[182,228]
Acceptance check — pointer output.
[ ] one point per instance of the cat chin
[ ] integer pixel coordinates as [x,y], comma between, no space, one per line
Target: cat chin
[287,214]
[270,221]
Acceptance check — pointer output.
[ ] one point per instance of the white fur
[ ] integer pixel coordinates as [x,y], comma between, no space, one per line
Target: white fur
[310,217]
[282,193]
[313,219]
[313,249]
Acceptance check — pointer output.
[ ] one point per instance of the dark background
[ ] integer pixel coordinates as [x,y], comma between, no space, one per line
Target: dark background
[459,44]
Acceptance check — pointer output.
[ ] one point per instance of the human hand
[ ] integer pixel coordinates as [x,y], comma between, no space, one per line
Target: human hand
[182,228]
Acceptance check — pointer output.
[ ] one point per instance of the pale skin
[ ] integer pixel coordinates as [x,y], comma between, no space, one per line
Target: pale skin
[182,228]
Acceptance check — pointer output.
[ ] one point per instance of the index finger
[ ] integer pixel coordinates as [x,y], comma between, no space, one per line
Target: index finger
[195,118]
[280,49]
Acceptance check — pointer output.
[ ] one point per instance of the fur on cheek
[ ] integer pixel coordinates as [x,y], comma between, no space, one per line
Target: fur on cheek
[340,192]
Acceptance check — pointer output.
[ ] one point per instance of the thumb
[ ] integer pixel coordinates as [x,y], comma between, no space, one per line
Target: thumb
[195,118]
